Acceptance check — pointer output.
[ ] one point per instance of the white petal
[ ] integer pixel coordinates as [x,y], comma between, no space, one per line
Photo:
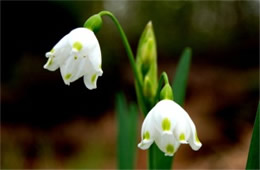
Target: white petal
[86,45]
[59,47]
[51,65]
[168,144]
[49,54]
[90,79]
[164,116]
[194,142]
[145,144]
[82,40]
[94,56]
[58,54]
[182,131]
[61,50]
[69,69]
[86,68]
[186,126]
[148,133]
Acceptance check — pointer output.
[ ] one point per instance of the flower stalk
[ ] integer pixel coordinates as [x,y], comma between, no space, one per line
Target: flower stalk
[130,57]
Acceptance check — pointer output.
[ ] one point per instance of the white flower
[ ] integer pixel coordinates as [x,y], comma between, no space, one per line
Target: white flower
[169,125]
[77,54]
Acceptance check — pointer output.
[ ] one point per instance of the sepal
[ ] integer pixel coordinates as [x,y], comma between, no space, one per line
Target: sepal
[94,23]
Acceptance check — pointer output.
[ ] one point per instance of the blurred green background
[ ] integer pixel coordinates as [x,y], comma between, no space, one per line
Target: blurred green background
[46,124]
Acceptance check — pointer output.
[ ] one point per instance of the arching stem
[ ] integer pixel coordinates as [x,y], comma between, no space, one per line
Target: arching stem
[131,59]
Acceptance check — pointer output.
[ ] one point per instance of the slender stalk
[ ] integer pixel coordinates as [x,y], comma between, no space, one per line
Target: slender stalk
[130,56]
[154,152]
[163,80]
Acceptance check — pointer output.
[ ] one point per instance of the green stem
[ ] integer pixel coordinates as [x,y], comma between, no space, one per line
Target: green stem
[163,80]
[130,56]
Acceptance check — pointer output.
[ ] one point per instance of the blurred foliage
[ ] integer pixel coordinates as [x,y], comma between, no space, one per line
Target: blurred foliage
[126,116]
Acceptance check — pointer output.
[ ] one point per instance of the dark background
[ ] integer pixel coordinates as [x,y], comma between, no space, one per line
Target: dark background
[47,124]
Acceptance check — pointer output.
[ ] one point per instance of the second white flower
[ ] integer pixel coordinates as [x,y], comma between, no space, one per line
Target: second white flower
[77,54]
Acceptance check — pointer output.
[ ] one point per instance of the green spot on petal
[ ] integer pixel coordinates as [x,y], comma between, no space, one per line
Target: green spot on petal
[77,45]
[182,137]
[50,61]
[68,76]
[170,149]
[196,137]
[166,124]
[52,50]
[75,57]
[146,135]
[93,78]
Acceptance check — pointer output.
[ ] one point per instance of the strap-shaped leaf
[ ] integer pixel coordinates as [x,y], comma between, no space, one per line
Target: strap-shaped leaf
[253,155]
[181,76]
[127,132]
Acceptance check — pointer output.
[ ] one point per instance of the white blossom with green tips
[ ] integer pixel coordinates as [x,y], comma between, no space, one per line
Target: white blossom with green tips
[168,125]
[77,54]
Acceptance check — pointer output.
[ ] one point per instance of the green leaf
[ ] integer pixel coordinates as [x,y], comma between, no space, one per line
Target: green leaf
[127,132]
[181,76]
[253,155]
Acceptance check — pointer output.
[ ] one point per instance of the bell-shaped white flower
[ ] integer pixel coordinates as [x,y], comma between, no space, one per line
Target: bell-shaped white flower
[77,54]
[168,125]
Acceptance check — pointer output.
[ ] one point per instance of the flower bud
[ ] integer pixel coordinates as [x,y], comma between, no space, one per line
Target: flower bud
[147,52]
[147,87]
[146,60]
[94,23]
[166,92]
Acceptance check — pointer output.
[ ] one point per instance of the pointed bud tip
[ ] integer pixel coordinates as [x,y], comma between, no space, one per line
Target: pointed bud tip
[150,24]
[166,92]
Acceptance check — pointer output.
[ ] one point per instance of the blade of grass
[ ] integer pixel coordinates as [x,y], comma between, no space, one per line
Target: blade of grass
[181,76]
[132,137]
[253,155]
[127,131]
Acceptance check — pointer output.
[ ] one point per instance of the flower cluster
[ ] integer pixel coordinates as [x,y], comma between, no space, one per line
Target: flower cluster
[169,125]
[77,54]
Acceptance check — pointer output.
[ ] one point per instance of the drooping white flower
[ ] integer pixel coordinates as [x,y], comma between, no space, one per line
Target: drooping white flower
[168,125]
[77,54]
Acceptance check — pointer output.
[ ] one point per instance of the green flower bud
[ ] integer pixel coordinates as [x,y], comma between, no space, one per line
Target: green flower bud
[94,23]
[146,60]
[166,92]
[146,51]
[147,87]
